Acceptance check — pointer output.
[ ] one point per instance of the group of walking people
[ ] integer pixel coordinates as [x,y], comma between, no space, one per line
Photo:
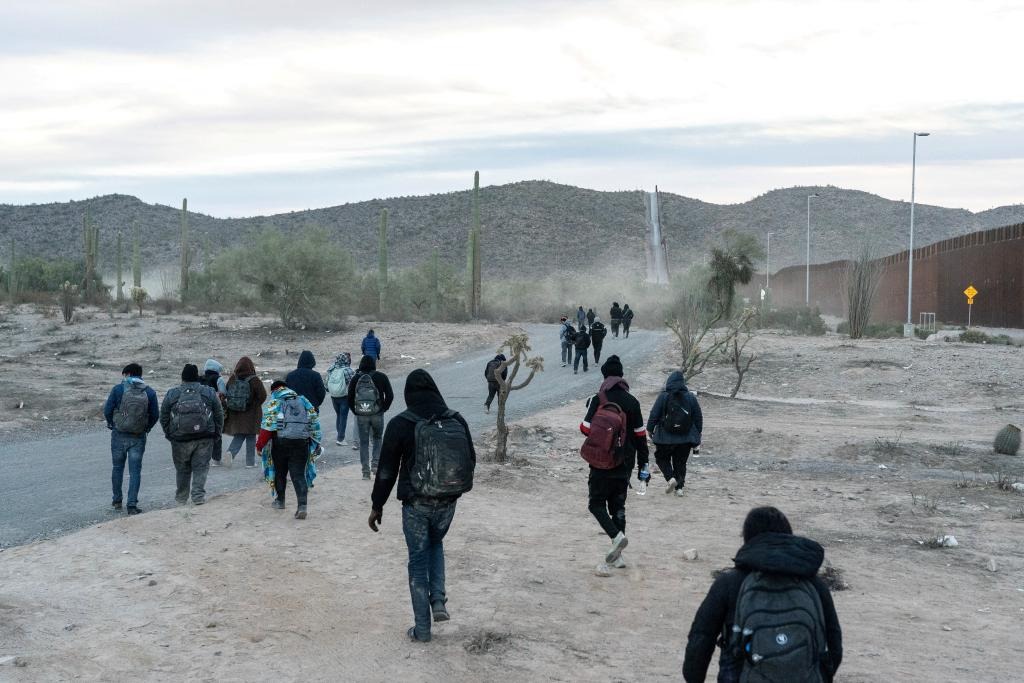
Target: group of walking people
[590,333]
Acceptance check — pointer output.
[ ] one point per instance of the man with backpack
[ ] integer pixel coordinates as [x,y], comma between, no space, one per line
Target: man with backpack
[428,451]
[339,375]
[211,378]
[616,442]
[615,315]
[566,335]
[675,425]
[307,382]
[371,346]
[597,334]
[131,412]
[492,381]
[292,426]
[191,417]
[627,320]
[582,343]
[369,397]
[772,616]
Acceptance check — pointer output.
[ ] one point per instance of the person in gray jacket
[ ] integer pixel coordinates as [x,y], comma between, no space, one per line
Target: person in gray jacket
[191,417]
[675,425]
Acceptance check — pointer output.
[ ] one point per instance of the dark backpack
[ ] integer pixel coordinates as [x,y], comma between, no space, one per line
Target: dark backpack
[132,415]
[489,371]
[582,341]
[293,420]
[677,418]
[779,630]
[239,395]
[191,417]
[604,446]
[443,465]
[368,400]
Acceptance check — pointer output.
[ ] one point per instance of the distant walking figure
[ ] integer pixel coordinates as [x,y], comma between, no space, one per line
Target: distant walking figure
[627,319]
[244,397]
[597,334]
[566,335]
[492,383]
[369,397]
[339,375]
[675,425]
[581,317]
[616,317]
[582,343]
[191,417]
[591,317]
[371,346]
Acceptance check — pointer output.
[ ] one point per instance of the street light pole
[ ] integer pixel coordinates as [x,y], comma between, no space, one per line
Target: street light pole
[910,253]
[768,265]
[807,288]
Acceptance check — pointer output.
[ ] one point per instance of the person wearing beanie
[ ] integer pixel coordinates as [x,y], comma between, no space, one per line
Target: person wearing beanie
[608,488]
[211,378]
[191,417]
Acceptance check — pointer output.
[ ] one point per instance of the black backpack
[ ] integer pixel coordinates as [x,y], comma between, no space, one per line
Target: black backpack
[443,465]
[677,418]
[570,334]
[368,400]
[489,371]
[132,415]
[191,417]
[779,630]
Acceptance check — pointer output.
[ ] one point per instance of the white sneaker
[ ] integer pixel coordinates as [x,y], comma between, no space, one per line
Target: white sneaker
[603,570]
[339,443]
[563,365]
[355,447]
[618,545]
[679,493]
[619,563]
[671,486]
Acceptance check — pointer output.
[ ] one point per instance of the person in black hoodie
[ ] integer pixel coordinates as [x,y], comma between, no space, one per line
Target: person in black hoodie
[305,381]
[608,488]
[492,384]
[370,426]
[768,546]
[615,314]
[627,319]
[424,521]
[582,343]
[597,334]
[672,447]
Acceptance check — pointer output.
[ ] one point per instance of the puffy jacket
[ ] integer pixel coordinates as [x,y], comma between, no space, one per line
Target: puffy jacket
[769,552]
[305,381]
[597,333]
[582,341]
[114,402]
[368,366]
[676,384]
[371,346]
[615,313]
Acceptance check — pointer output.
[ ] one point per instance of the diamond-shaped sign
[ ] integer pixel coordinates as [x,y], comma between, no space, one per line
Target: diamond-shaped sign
[970,292]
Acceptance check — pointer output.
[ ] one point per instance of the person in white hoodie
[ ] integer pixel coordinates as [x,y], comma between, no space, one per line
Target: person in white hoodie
[212,378]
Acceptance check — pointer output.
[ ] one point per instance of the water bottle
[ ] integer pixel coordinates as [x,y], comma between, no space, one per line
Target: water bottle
[644,476]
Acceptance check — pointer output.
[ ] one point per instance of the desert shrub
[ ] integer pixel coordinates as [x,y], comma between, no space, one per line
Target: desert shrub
[979,337]
[875,330]
[799,320]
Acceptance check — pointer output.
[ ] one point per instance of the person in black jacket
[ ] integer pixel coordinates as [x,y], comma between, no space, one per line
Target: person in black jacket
[492,384]
[615,314]
[424,521]
[627,319]
[672,447]
[582,342]
[305,381]
[768,546]
[608,488]
[597,334]
[591,317]
[370,426]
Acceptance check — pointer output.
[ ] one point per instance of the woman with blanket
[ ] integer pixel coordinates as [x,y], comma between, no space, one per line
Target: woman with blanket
[289,443]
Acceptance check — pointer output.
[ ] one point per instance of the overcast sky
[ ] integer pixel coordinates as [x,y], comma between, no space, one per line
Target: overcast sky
[257,106]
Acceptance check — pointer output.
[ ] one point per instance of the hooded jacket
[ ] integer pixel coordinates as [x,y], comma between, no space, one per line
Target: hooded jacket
[371,346]
[591,316]
[636,453]
[775,553]
[368,366]
[597,333]
[307,382]
[581,316]
[615,313]
[398,449]
[343,365]
[246,421]
[582,340]
[492,365]
[211,376]
[627,315]
[676,384]
[114,402]
[567,333]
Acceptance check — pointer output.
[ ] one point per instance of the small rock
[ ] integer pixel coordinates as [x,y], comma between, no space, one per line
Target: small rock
[152,582]
[882,467]
[949,542]
[691,554]
[9,659]
[211,624]
[947,628]
[548,439]
[70,627]
[992,567]
[204,532]
[1018,486]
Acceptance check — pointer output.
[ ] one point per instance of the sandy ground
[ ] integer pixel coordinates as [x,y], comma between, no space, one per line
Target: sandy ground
[862,444]
[53,376]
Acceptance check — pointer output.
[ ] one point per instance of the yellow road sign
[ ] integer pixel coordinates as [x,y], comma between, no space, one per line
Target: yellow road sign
[970,302]
[970,292]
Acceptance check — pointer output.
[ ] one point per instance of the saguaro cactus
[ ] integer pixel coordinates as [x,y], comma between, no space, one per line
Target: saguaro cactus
[136,259]
[473,284]
[12,275]
[435,293]
[185,257]
[90,244]
[382,264]
[120,270]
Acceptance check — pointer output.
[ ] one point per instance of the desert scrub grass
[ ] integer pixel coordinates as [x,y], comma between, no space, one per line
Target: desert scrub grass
[887,445]
[962,482]
[979,337]
[1003,482]
[923,502]
[1017,514]
[951,448]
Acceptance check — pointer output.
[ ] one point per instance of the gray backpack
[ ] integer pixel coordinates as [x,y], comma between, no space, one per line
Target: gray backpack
[778,631]
[293,421]
[191,417]
[368,401]
[132,416]
[443,466]
[238,397]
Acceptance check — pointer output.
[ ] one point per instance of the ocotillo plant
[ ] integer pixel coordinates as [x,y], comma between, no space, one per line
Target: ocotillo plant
[382,265]
[184,249]
[120,272]
[136,259]
[435,293]
[518,346]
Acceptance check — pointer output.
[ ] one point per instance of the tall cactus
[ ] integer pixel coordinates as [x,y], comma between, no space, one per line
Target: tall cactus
[120,270]
[435,293]
[136,258]
[382,264]
[477,285]
[12,275]
[185,259]
[90,244]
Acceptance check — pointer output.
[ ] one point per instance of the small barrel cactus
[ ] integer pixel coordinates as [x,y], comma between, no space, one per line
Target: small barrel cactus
[1008,440]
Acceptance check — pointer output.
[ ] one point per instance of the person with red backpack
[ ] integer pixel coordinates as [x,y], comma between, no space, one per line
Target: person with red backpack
[616,443]
[772,616]
[675,425]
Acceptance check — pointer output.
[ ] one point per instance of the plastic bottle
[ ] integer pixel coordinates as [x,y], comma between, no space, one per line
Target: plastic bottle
[644,477]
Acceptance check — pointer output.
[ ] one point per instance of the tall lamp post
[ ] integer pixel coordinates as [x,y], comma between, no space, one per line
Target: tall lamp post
[908,329]
[768,265]
[807,288]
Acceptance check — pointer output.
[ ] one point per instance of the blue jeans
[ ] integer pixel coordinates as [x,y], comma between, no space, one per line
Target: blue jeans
[249,440]
[126,447]
[425,524]
[567,349]
[341,421]
[581,354]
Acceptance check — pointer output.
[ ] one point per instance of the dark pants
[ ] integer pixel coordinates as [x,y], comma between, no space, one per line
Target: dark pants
[608,503]
[615,327]
[597,351]
[625,328]
[566,353]
[218,448]
[341,418]
[371,431]
[247,440]
[425,524]
[671,459]
[192,464]
[126,448]
[580,354]
[290,458]
[492,391]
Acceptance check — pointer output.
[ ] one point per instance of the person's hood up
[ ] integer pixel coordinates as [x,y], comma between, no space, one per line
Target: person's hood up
[135,380]
[370,334]
[500,358]
[781,554]
[422,395]
[676,382]
[213,366]
[367,364]
[306,360]
[245,367]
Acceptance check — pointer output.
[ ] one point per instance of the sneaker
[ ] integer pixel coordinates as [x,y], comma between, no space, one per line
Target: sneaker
[619,544]
[133,510]
[440,611]
[216,463]
[671,486]
[355,447]
[339,443]
[487,409]
[563,365]
[199,502]
[116,505]
[619,563]
[181,501]
[412,636]
[250,466]
[679,492]
[575,372]
[603,570]
[366,476]
[300,513]
[278,505]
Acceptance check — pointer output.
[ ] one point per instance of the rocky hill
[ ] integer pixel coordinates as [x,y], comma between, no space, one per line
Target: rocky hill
[530,228]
